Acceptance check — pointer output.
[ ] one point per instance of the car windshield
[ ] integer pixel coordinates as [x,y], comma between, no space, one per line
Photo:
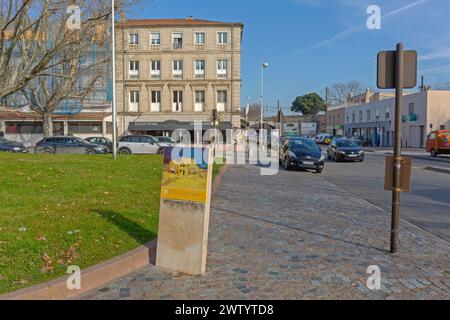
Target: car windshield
[165,139]
[3,141]
[303,144]
[82,142]
[346,144]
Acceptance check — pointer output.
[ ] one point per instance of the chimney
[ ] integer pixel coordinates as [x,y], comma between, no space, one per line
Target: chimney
[367,98]
[190,18]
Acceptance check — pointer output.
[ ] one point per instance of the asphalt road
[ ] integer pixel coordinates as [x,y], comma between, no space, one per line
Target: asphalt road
[427,206]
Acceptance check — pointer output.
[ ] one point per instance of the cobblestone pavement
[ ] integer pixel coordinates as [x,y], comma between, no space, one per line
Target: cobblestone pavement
[297,236]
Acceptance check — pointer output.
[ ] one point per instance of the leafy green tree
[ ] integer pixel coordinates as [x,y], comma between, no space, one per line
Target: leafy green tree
[309,104]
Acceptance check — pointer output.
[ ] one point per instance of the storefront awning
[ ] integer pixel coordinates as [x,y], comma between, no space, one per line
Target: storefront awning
[174,125]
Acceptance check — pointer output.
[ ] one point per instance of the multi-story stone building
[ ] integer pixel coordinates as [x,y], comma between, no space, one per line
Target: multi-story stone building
[172,72]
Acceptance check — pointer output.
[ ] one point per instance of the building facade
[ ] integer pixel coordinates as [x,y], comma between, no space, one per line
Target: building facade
[336,115]
[423,112]
[171,73]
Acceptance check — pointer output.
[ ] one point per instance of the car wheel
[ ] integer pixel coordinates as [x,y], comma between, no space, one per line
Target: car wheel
[329,156]
[319,171]
[124,151]
[434,154]
[287,166]
[90,152]
[48,151]
[160,151]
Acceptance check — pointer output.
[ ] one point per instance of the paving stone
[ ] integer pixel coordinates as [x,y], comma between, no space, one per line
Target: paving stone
[317,247]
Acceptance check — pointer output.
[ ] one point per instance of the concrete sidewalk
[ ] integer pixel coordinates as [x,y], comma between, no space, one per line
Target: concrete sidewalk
[297,236]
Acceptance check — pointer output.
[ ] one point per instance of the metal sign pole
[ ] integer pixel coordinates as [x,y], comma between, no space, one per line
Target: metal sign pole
[399,72]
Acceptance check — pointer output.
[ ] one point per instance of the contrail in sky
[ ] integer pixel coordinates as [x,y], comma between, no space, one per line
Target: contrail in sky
[346,33]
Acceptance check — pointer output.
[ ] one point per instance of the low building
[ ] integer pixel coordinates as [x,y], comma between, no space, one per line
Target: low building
[27,126]
[336,115]
[336,119]
[423,112]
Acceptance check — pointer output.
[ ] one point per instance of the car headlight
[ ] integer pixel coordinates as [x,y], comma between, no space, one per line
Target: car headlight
[17,149]
[322,158]
[292,155]
[361,152]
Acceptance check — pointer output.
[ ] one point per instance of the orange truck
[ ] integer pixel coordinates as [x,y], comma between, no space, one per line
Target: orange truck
[439,143]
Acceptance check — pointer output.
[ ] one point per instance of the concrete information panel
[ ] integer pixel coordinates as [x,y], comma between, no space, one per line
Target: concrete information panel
[184,212]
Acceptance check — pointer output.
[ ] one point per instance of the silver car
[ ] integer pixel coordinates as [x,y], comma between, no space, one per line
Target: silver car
[141,145]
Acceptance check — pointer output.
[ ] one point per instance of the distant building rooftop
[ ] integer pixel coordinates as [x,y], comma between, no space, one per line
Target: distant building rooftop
[190,21]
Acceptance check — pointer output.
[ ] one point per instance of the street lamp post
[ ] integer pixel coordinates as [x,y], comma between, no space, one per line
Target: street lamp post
[263,66]
[114,111]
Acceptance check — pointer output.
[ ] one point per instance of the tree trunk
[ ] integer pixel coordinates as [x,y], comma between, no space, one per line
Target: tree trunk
[47,125]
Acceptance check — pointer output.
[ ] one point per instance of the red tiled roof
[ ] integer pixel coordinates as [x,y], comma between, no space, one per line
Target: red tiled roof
[176,22]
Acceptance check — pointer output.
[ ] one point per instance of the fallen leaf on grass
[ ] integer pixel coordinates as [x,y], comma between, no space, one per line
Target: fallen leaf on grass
[41,238]
[69,255]
[48,266]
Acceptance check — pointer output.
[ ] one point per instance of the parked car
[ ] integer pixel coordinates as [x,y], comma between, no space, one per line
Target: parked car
[345,150]
[320,139]
[438,143]
[329,139]
[101,141]
[141,145]
[12,146]
[301,153]
[357,140]
[167,140]
[68,145]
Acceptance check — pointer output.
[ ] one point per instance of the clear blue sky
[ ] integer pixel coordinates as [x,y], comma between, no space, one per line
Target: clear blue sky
[314,43]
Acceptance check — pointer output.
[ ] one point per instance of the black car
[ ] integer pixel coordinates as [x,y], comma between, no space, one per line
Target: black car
[11,146]
[302,154]
[345,150]
[68,145]
[101,141]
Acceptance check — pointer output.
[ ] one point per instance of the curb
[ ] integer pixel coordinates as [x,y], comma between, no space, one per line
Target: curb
[443,160]
[437,169]
[101,274]
[218,178]
[91,278]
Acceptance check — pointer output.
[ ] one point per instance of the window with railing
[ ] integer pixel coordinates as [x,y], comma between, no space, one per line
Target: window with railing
[222,69]
[155,69]
[134,70]
[222,40]
[177,69]
[134,101]
[134,39]
[222,100]
[199,69]
[155,101]
[199,101]
[177,40]
[200,39]
[177,102]
[155,40]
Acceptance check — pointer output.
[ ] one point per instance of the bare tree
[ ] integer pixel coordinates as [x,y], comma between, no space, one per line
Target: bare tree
[34,34]
[340,93]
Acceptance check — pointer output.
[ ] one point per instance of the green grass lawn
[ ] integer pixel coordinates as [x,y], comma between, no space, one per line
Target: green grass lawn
[57,211]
